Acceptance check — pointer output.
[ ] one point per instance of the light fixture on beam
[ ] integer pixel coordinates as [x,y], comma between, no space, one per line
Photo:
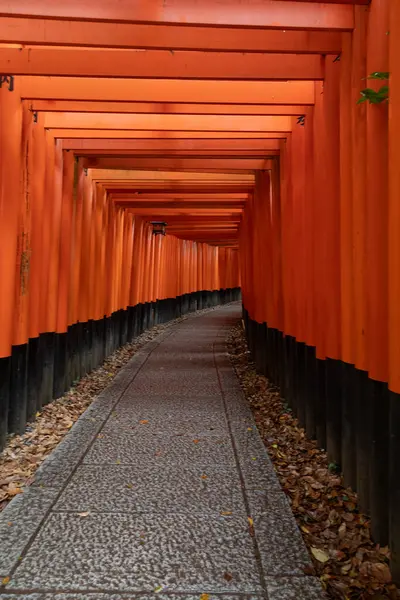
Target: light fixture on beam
[159,227]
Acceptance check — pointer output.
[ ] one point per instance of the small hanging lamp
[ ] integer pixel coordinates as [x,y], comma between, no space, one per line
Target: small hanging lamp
[159,227]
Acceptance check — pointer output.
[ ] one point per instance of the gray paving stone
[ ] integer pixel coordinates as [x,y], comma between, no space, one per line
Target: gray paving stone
[164,421]
[127,553]
[237,407]
[101,406]
[170,403]
[84,430]
[295,588]
[133,448]
[123,596]
[19,521]
[60,464]
[179,489]
[280,543]
[256,466]
[176,383]
[186,360]
[228,378]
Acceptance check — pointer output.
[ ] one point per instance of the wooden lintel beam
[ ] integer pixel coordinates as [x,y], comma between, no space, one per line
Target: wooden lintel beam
[187,205]
[274,14]
[164,197]
[78,137]
[178,154]
[167,90]
[167,122]
[173,144]
[246,164]
[68,32]
[160,64]
[83,106]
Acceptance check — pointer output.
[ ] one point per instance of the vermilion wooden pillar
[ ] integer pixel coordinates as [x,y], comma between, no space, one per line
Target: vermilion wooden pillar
[359,194]
[54,204]
[10,207]
[394,286]
[24,248]
[61,377]
[326,257]
[76,243]
[349,404]
[37,183]
[376,338]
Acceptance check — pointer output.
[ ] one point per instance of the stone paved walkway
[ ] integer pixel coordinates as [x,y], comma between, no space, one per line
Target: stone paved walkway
[162,490]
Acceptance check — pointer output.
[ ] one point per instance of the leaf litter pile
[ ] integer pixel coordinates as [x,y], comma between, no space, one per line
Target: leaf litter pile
[349,564]
[24,453]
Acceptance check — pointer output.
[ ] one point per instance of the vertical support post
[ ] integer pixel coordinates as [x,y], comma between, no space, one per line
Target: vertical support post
[10,199]
[394,288]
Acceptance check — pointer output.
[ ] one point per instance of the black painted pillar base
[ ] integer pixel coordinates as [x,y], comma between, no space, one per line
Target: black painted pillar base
[320,414]
[286,391]
[257,347]
[291,381]
[34,377]
[215,296]
[147,316]
[394,484]
[100,341]
[192,303]
[301,382]
[264,350]
[349,425]
[334,410]
[280,359]
[130,323]
[18,389]
[60,365]
[205,300]
[177,309]
[124,327]
[108,336]
[71,368]
[310,391]
[81,353]
[379,462]
[139,320]
[5,377]
[363,438]
[91,332]
[199,301]
[185,305]
[47,345]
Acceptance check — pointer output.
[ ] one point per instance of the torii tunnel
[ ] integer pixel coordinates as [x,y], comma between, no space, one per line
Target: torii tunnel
[238,124]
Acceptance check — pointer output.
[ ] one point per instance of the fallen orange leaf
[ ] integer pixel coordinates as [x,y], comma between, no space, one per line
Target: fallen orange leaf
[144,422]
[5,580]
